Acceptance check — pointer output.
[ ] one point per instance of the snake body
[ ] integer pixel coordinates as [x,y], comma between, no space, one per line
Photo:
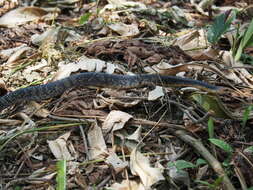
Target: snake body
[103,80]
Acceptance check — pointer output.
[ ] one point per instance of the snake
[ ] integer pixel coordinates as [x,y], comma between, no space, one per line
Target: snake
[100,80]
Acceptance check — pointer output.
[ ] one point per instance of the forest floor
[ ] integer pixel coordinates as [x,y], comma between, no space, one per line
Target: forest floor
[131,139]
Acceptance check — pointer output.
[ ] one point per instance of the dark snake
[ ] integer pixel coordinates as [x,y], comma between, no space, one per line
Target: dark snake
[103,80]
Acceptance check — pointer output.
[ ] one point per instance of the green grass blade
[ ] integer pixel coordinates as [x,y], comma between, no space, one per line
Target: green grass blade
[61,174]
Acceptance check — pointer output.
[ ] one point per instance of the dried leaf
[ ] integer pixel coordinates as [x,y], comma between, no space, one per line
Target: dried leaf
[240,74]
[50,33]
[125,29]
[156,93]
[105,102]
[114,4]
[124,3]
[117,164]
[18,54]
[115,120]
[140,166]
[84,64]
[22,15]
[98,148]
[136,136]
[179,176]
[31,76]
[127,185]
[59,147]
[35,108]
[42,178]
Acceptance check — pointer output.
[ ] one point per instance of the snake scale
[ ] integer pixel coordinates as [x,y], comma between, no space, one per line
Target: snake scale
[56,88]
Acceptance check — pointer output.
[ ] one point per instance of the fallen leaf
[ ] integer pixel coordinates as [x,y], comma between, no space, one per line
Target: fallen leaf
[156,93]
[117,164]
[105,102]
[136,136]
[50,33]
[114,4]
[115,120]
[23,15]
[125,29]
[127,185]
[98,148]
[59,147]
[140,166]
[84,64]
[18,54]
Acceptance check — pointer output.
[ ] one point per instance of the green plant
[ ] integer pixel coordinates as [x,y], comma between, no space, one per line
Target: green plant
[224,146]
[200,161]
[61,174]
[220,26]
[181,164]
[221,144]
[247,59]
[246,115]
[248,150]
[214,185]
[84,18]
[210,128]
[246,40]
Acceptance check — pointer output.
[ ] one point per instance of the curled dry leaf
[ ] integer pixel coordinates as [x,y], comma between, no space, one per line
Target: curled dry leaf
[23,15]
[6,53]
[161,68]
[98,148]
[127,185]
[115,120]
[18,54]
[124,3]
[140,166]
[84,64]
[206,54]
[105,102]
[31,76]
[185,40]
[196,45]
[238,75]
[136,136]
[130,141]
[194,42]
[59,147]
[35,108]
[8,122]
[201,172]
[37,67]
[156,93]
[114,4]
[50,33]
[125,29]
[42,179]
[110,68]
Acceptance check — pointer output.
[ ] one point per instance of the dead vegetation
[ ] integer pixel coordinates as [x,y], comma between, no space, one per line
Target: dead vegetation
[147,138]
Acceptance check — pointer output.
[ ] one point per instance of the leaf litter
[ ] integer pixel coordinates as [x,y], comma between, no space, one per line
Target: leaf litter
[119,139]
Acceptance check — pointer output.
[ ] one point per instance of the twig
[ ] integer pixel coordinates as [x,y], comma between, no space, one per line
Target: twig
[84,140]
